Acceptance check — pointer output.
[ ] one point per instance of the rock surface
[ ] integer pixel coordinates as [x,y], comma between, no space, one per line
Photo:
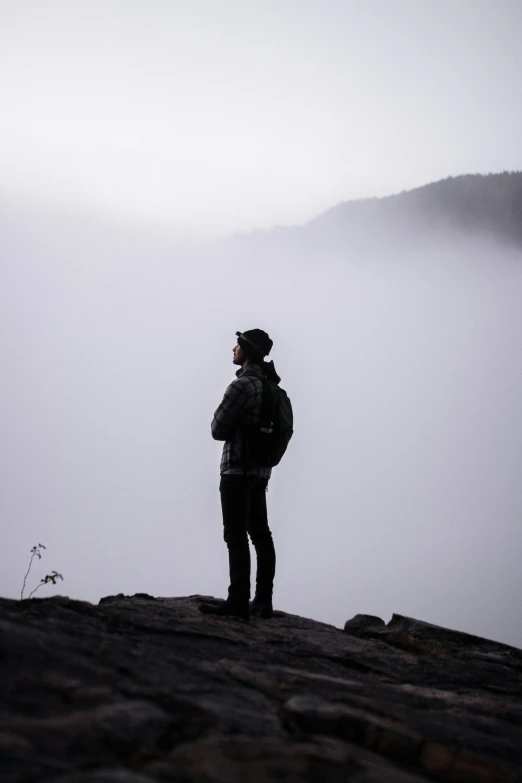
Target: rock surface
[141,690]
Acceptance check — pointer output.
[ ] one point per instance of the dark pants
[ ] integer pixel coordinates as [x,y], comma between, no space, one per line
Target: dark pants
[243,501]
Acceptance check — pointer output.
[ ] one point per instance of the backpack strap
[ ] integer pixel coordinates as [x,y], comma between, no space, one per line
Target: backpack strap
[265,414]
[263,417]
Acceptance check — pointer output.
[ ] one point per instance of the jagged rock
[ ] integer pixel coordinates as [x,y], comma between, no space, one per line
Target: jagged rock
[425,638]
[361,623]
[111,598]
[141,691]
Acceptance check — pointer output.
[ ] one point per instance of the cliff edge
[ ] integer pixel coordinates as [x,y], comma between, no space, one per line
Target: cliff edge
[142,690]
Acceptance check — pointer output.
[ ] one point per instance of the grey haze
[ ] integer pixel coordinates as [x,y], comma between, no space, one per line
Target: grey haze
[127,127]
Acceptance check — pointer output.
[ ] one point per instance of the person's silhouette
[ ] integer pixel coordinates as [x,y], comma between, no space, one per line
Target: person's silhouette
[244,483]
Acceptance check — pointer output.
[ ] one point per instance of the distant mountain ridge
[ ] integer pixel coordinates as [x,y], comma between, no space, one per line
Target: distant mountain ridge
[472,203]
[476,205]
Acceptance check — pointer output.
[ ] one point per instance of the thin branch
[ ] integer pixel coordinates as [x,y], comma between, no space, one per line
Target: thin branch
[36,588]
[35,552]
[52,577]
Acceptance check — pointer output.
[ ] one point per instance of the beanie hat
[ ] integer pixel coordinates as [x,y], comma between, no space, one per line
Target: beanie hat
[256,340]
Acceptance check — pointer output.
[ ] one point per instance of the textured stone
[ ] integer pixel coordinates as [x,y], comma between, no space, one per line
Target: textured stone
[361,623]
[359,726]
[106,776]
[137,690]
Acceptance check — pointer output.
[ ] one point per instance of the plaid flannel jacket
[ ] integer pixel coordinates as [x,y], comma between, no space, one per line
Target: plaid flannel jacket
[241,406]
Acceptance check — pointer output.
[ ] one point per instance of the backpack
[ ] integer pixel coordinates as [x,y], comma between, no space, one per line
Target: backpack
[269,439]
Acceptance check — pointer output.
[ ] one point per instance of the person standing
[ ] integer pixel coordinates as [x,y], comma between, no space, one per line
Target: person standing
[244,481]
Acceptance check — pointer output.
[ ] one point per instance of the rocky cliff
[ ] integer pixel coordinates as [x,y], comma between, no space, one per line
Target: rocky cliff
[138,690]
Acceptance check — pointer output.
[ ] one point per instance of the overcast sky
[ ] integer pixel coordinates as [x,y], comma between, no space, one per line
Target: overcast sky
[401,488]
[222,115]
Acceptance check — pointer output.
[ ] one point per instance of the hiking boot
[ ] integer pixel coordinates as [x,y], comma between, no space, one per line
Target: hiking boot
[261,609]
[225,609]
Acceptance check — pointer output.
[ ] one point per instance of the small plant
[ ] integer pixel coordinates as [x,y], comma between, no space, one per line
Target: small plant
[53,577]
